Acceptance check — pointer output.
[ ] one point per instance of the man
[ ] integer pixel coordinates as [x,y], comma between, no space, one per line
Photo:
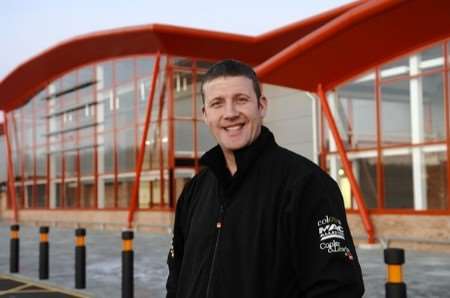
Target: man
[258,220]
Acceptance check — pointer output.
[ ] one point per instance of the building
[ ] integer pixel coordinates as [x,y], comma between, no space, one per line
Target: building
[363,90]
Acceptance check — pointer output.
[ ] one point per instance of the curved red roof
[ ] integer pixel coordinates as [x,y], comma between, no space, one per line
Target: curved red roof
[356,41]
[27,79]
[327,49]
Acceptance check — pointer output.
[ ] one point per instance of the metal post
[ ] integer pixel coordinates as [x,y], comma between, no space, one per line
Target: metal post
[14,249]
[80,258]
[395,287]
[347,167]
[127,264]
[43,253]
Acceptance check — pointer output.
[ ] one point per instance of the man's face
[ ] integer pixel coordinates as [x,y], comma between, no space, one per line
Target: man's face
[232,111]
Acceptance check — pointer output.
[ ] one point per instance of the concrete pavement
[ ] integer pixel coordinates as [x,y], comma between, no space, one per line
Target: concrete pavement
[426,274]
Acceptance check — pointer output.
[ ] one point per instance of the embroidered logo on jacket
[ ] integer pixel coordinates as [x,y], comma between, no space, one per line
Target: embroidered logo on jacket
[330,227]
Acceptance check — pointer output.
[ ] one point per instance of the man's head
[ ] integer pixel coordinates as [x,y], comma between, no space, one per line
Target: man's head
[233,106]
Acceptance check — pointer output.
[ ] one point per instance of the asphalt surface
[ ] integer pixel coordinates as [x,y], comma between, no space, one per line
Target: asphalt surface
[426,274]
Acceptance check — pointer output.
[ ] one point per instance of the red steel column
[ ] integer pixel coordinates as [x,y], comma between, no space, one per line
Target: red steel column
[77,144]
[380,167]
[160,142]
[151,94]
[94,90]
[171,138]
[447,115]
[347,167]
[12,189]
[194,116]
[114,135]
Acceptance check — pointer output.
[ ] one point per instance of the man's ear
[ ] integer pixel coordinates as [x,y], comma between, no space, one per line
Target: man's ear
[262,105]
[204,113]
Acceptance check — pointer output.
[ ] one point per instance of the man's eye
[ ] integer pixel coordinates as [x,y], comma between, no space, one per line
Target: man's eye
[214,104]
[242,99]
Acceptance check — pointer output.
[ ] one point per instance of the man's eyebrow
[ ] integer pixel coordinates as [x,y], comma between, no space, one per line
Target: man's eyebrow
[240,94]
[219,97]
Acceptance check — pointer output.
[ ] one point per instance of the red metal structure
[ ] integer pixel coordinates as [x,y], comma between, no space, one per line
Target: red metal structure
[314,55]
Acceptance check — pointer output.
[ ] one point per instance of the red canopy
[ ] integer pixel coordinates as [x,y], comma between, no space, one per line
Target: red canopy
[328,49]
[359,39]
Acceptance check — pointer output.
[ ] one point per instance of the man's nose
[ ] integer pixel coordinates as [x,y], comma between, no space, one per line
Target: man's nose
[230,110]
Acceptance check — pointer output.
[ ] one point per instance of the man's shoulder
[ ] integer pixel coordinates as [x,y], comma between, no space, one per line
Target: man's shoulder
[298,167]
[288,158]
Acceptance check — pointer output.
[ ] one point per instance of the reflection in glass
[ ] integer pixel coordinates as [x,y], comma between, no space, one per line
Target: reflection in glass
[144,66]
[183,136]
[395,113]
[87,162]
[108,153]
[109,194]
[366,171]
[124,71]
[125,188]
[41,195]
[70,199]
[183,94]
[125,107]
[356,108]
[431,53]
[433,108]
[397,68]
[126,150]
[398,182]
[436,180]
[87,194]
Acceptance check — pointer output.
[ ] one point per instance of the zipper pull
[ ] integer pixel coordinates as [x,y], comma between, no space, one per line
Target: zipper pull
[219,223]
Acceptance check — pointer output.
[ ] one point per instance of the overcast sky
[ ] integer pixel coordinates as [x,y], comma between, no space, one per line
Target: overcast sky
[28,27]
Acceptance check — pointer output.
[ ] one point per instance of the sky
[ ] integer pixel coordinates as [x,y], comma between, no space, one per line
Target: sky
[28,27]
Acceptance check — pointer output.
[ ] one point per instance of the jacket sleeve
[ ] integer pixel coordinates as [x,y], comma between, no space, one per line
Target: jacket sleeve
[175,256]
[320,243]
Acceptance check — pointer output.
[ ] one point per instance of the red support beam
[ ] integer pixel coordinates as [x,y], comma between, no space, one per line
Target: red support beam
[114,136]
[11,179]
[194,116]
[160,142]
[379,167]
[347,167]
[447,115]
[171,136]
[96,178]
[148,114]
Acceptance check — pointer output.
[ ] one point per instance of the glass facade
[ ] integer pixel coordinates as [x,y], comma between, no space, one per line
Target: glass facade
[393,121]
[76,143]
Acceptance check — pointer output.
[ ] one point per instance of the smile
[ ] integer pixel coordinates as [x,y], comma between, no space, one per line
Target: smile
[235,127]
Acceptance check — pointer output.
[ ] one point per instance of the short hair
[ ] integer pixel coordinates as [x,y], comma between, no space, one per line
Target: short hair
[231,68]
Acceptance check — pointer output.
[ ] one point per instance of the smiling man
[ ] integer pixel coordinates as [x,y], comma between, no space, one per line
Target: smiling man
[258,220]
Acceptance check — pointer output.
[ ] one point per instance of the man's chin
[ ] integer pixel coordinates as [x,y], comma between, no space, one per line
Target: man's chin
[232,147]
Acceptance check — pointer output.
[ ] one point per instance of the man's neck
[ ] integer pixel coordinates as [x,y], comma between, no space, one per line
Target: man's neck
[230,159]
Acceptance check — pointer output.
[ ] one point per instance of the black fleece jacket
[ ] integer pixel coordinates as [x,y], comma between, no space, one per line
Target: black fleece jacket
[276,228]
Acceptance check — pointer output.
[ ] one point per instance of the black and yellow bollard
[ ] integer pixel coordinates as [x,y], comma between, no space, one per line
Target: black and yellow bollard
[127,265]
[80,258]
[14,249]
[43,253]
[395,287]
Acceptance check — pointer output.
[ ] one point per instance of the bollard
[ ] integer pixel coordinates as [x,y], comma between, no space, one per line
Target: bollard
[14,249]
[127,265]
[395,287]
[80,258]
[43,253]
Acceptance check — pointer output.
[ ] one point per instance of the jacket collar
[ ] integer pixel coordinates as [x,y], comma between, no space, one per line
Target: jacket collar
[245,157]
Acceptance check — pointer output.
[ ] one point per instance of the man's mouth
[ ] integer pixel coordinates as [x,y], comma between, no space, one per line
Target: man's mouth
[235,127]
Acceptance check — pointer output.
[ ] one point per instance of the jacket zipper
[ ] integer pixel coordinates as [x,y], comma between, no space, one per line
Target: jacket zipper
[219,226]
